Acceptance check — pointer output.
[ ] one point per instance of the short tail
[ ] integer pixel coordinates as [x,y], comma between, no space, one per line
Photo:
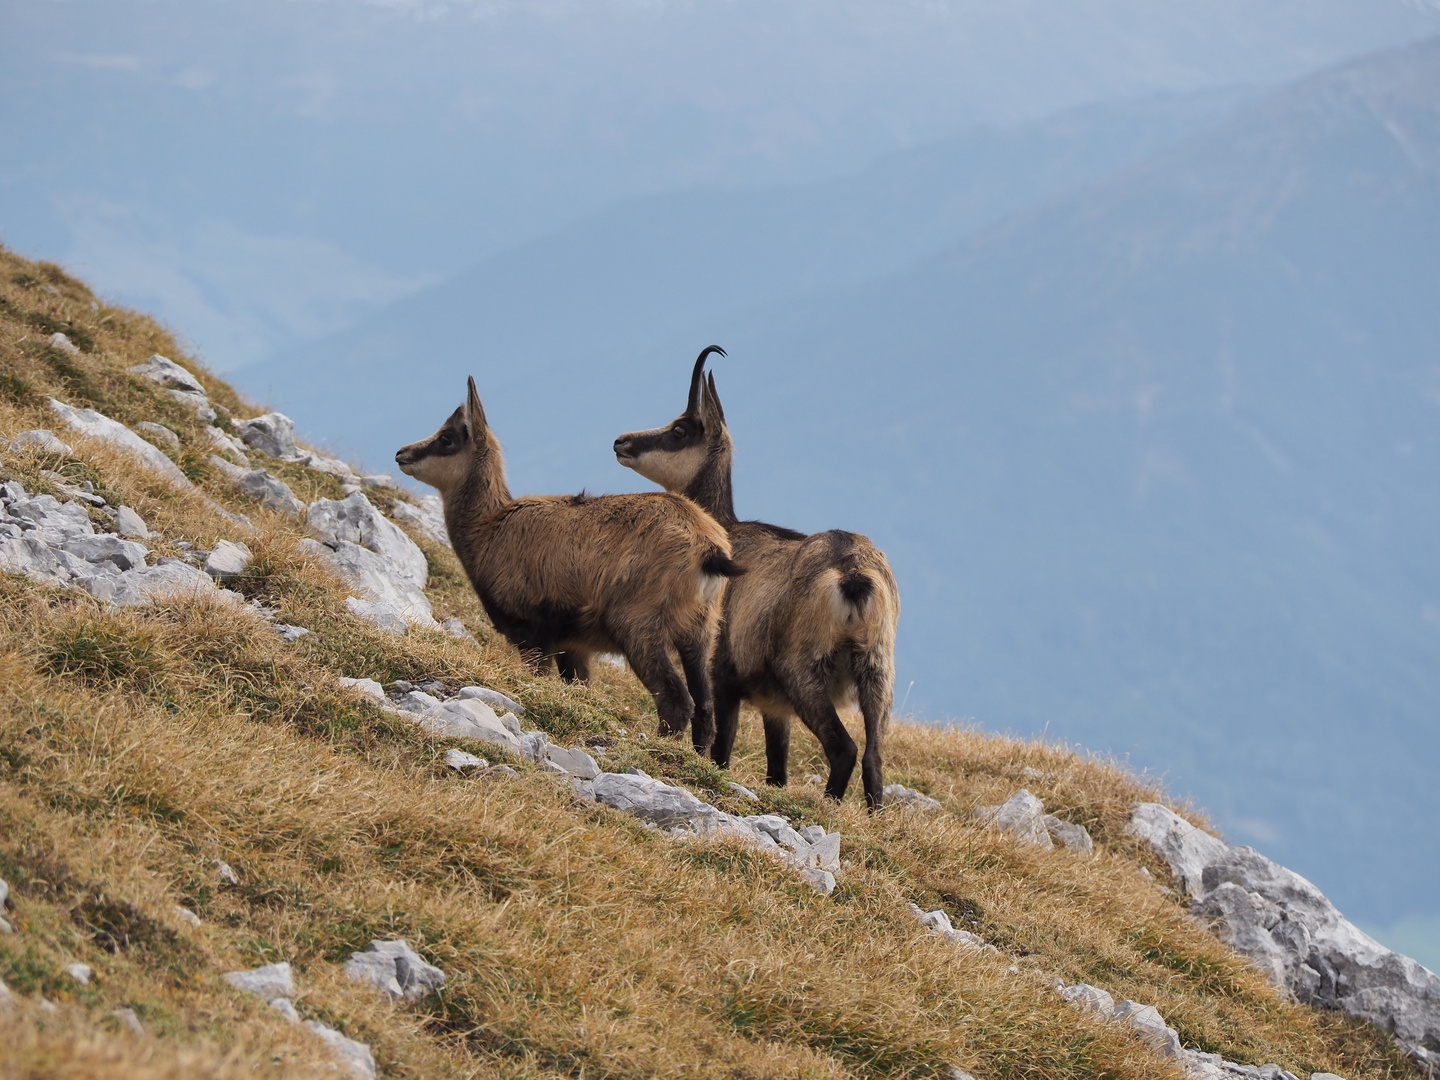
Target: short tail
[856,587]
[718,564]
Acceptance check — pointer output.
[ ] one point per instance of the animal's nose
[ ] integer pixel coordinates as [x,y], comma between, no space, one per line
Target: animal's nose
[622,444]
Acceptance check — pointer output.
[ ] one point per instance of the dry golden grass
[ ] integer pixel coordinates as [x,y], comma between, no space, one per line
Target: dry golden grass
[138,747]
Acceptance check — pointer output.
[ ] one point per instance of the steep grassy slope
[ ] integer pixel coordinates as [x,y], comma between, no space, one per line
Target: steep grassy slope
[139,747]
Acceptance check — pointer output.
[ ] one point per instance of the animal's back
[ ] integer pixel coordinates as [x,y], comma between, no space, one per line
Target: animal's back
[803,597]
[582,552]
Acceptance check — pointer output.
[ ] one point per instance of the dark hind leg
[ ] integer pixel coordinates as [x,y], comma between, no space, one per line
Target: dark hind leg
[695,662]
[652,666]
[574,667]
[777,749]
[810,694]
[876,691]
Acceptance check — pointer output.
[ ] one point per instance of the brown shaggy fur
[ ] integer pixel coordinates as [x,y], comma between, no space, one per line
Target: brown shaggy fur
[811,626]
[565,577]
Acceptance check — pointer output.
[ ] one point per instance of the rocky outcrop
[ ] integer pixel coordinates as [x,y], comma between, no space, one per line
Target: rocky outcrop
[178,384]
[372,554]
[426,516]
[1023,816]
[1287,926]
[275,983]
[112,432]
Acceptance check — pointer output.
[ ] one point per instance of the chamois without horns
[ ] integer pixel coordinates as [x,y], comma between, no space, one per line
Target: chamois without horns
[808,629]
[565,577]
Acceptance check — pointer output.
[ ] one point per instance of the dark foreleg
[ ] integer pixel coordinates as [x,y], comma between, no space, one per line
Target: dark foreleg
[574,667]
[876,691]
[654,669]
[811,698]
[777,749]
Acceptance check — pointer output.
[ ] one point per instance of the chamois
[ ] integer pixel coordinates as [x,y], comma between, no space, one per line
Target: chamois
[565,577]
[811,625]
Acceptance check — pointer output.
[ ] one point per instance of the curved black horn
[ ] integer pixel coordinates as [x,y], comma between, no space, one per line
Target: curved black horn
[696,379]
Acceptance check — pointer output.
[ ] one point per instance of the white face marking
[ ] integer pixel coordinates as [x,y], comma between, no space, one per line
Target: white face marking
[673,470]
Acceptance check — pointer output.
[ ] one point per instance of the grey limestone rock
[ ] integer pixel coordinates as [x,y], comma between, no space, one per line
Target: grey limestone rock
[377,614]
[158,434]
[416,701]
[272,434]
[426,516]
[533,745]
[1150,1026]
[103,547]
[1185,848]
[129,1021]
[228,561]
[185,915]
[456,629]
[291,634]
[493,698]
[36,560]
[661,804]
[98,426]
[164,371]
[367,687]
[129,523]
[269,491]
[575,762]
[59,341]
[460,760]
[1021,815]
[226,443]
[1090,998]
[904,796]
[354,520]
[42,440]
[472,719]
[1075,837]
[355,1056]
[939,923]
[79,972]
[396,968]
[741,790]
[286,1008]
[227,872]
[822,881]
[268,982]
[170,579]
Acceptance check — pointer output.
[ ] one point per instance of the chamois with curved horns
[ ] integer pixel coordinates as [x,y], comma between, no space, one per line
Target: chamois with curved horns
[809,629]
[565,577]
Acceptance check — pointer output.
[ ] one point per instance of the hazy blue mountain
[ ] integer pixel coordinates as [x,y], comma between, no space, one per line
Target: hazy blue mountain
[575,304]
[1159,468]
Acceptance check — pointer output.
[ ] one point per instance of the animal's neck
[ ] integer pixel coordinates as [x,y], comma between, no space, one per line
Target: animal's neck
[710,489]
[481,493]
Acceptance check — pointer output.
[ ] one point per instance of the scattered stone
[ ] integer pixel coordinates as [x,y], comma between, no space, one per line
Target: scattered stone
[59,341]
[1150,1026]
[377,480]
[493,698]
[372,553]
[286,1008]
[898,793]
[575,762]
[5,927]
[272,434]
[226,443]
[471,719]
[1090,998]
[98,426]
[368,687]
[939,923]
[533,745]
[129,1021]
[269,491]
[185,915]
[1185,848]
[506,770]
[460,760]
[328,465]
[382,615]
[269,982]
[178,383]
[159,434]
[354,1055]
[169,579]
[456,629]
[741,790]
[79,972]
[426,516]
[1075,837]
[415,701]
[41,440]
[291,634]
[105,548]
[395,968]
[129,523]
[1020,815]
[663,804]
[227,872]
[822,881]
[959,1074]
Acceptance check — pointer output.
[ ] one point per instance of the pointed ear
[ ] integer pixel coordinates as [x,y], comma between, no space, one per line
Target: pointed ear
[712,400]
[474,411]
